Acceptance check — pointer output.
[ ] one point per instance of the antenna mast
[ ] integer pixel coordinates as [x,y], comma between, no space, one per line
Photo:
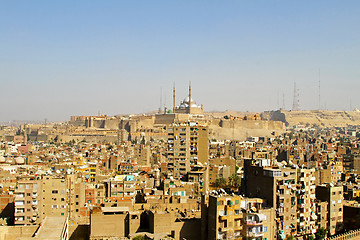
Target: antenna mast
[283,106]
[296,102]
[160,100]
[319,91]
[174,99]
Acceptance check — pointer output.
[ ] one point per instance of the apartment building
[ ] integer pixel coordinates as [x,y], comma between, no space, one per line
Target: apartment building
[235,217]
[278,186]
[142,155]
[333,195]
[322,214]
[306,202]
[120,186]
[76,200]
[187,145]
[54,196]
[28,206]
[329,173]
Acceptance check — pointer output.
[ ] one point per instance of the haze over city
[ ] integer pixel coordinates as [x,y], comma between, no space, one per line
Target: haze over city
[179,120]
[71,58]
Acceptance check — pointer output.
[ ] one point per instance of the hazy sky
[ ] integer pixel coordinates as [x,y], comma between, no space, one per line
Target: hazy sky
[63,58]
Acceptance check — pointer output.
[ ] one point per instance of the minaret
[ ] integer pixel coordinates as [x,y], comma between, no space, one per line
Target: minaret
[189,111]
[174,99]
[189,107]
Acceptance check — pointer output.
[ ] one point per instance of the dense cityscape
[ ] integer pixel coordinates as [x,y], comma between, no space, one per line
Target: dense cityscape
[179,120]
[181,173]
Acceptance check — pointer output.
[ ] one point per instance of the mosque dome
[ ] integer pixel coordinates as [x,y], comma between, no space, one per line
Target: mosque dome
[2,159]
[186,100]
[19,160]
[183,105]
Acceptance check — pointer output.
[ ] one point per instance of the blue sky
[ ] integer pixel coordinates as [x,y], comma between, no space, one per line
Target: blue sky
[62,58]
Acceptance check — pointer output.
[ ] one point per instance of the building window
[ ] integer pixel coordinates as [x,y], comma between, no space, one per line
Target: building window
[54,191]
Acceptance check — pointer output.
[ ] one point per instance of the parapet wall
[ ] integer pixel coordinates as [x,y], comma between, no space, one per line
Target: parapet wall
[17,232]
[353,235]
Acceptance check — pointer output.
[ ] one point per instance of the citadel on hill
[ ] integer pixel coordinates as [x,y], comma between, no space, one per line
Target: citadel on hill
[181,174]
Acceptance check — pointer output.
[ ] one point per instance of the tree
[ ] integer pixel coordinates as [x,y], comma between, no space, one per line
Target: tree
[234,181]
[220,182]
[320,234]
[311,237]
[140,237]
[289,237]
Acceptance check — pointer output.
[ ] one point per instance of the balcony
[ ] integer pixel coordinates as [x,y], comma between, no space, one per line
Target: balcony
[19,203]
[19,213]
[19,220]
[255,234]
[19,190]
[252,223]
[19,196]
[221,235]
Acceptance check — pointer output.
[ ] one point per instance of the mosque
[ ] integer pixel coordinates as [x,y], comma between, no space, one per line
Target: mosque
[188,105]
[187,110]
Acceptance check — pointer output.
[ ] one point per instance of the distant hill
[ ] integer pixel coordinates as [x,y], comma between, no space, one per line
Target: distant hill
[319,117]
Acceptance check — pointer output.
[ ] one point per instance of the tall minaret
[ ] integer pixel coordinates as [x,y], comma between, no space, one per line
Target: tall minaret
[174,99]
[190,93]
[189,107]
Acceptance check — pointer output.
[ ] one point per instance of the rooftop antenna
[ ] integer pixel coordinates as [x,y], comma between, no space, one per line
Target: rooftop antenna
[319,91]
[296,103]
[160,100]
[174,98]
[283,105]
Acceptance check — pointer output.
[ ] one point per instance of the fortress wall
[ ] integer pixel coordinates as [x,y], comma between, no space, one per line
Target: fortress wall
[111,123]
[252,124]
[142,123]
[88,139]
[164,119]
